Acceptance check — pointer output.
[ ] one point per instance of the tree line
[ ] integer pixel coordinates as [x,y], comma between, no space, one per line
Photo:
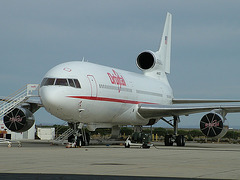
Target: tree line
[190,134]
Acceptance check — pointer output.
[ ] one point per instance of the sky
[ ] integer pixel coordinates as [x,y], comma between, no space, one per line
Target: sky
[38,35]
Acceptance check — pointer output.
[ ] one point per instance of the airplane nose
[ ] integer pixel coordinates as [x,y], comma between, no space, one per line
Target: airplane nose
[55,102]
[50,98]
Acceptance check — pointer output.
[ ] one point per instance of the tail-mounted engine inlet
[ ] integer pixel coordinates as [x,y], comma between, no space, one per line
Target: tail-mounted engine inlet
[212,125]
[146,60]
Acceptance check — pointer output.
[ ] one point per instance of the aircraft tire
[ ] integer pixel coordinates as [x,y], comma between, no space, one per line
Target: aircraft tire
[180,140]
[127,145]
[145,146]
[167,140]
[88,139]
[71,138]
[78,142]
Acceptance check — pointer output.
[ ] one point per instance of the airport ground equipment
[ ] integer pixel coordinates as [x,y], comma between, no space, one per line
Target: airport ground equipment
[9,103]
[76,134]
[139,139]
[9,142]
[60,139]
[79,135]
[16,112]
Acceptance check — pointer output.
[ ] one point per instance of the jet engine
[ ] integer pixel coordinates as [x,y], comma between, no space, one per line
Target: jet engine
[19,120]
[213,125]
[146,60]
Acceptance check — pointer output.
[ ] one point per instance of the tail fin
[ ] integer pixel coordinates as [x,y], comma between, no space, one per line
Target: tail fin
[164,51]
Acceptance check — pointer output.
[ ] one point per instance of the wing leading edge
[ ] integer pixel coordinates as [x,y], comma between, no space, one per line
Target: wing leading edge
[189,101]
[160,111]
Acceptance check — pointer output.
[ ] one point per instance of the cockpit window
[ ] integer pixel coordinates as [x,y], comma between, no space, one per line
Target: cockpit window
[47,82]
[71,83]
[43,82]
[60,82]
[77,83]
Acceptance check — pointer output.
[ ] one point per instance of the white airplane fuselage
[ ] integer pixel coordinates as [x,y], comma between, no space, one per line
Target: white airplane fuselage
[107,97]
[101,96]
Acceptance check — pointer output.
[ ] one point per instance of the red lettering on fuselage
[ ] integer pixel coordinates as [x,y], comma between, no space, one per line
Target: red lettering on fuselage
[117,79]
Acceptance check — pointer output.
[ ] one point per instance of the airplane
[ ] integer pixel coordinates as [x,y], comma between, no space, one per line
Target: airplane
[83,93]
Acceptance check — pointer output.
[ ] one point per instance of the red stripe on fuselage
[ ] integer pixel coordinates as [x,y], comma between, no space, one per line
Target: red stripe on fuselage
[110,100]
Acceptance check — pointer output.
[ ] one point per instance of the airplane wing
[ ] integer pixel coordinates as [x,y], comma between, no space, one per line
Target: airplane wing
[33,103]
[189,101]
[31,100]
[160,111]
[35,100]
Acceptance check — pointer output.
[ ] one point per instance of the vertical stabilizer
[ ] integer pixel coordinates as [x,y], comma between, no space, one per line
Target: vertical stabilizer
[164,51]
[157,64]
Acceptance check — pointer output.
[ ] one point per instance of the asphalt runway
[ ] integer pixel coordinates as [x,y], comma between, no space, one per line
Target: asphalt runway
[41,160]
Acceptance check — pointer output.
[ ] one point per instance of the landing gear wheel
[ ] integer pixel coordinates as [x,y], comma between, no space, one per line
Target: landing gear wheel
[145,146]
[180,140]
[127,145]
[88,139]
[168,140]
[83,143]
[79,142]
[71,139]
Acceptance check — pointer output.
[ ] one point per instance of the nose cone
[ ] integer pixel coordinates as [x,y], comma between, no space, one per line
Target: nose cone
[53,100]
[49,97]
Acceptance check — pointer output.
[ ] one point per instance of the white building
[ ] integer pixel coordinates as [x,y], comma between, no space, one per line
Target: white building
[46,133]
[30,134]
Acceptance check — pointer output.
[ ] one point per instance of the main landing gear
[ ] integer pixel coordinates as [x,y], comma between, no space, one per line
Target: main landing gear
[170,139]
[79,137]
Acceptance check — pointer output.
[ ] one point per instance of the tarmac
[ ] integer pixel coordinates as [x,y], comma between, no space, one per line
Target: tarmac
[41,160]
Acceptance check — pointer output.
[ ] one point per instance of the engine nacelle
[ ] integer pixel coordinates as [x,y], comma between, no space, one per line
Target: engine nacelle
[212,125]
[146,60]
[19,120]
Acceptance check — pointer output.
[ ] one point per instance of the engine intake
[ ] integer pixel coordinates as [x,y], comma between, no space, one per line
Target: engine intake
[146,60]
[212,125]
[19,120]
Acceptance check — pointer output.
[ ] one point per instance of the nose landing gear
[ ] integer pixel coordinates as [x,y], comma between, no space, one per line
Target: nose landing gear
[80,137]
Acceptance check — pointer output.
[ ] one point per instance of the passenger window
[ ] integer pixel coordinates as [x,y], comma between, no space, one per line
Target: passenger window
[61,82]
[71,83]
[77,83]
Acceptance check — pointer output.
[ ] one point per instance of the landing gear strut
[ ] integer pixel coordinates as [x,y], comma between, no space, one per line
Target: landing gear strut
[170,139]
[79,137]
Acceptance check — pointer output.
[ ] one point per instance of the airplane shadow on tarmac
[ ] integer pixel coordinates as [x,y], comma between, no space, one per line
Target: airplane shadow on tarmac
[27,176]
